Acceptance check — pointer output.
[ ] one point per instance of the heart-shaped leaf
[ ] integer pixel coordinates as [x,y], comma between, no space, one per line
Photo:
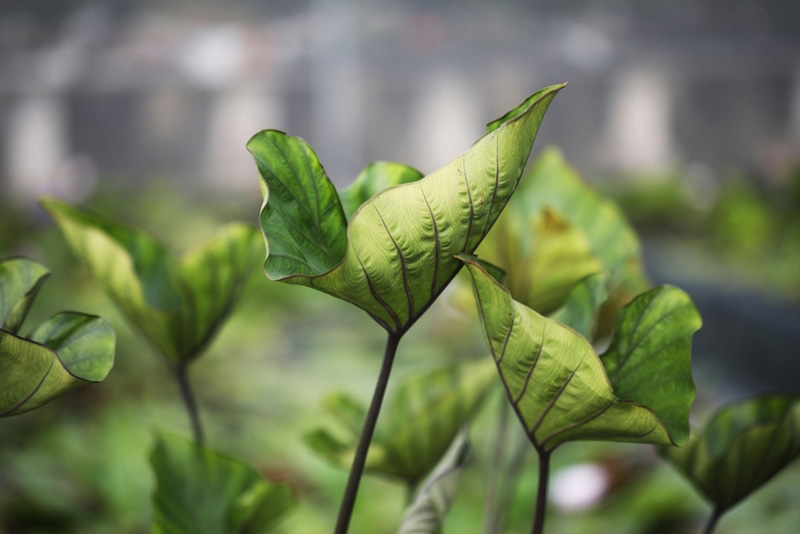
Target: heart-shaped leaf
[199,491]
[432,501]
[396,254]
[373,179]
[421,421]
[743,446]
[178,306]
[562,391]
[67,350]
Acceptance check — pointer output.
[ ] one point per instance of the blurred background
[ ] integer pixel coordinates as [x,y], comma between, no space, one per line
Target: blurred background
[686,112]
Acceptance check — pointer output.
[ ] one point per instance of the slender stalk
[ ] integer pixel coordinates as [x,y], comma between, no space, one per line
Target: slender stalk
[357,469]
[712,521]
[491,505]
[541,496]
[181,375]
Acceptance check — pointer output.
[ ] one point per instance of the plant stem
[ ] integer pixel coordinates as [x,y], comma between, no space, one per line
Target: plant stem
[541,496]
[712,521]
[357,469]
[491,505]
[181,375]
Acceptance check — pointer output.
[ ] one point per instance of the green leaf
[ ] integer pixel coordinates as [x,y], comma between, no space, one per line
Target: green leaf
[373,179]
[65,351]
[428,508]
[420,422]
[396,254]
[580,308]
[199,491]
[559,386]
[743,446]
[177,306]
[543,254]
[20,280]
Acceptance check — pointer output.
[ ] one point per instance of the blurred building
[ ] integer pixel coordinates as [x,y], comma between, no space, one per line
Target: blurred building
[129,90]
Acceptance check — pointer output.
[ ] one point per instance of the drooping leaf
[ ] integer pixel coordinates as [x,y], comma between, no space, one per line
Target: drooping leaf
[432,501]
[420,422]
[199,491]
[20,280]
[743,446]
[559,386]
[396,254]
[373,179]
[65,351]
[177,306]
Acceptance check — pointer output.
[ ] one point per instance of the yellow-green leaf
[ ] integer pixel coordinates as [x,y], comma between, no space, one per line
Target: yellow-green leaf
[558,384]
[396,254]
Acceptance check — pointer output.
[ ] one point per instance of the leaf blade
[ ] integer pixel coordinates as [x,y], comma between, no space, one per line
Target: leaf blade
[20,281]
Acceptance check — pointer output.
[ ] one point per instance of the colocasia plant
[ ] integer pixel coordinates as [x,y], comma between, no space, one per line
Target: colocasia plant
[65,351]
[388,250]
[178,306]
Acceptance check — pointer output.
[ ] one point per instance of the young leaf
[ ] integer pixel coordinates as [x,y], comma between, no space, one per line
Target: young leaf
[559,386]
[177,306]
[20,280]
[427,511]
[743,446]
[396,254]
[67,350]
[199,491]
[424,416]
[580,308]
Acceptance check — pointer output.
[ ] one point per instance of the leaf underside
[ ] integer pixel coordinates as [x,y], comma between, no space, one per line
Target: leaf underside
[743,446]
[559,386]
[199,491]
[396,254]
[177,306]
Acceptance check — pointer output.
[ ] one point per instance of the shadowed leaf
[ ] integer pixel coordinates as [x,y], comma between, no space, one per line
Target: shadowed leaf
[396,254]
[559,386]
[743,446]
[199,491]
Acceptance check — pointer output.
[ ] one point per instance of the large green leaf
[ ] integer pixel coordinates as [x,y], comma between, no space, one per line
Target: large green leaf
[396,254]
[559,386]
[743,446]
[432,501]
[65,351]
[199,491]
[20,280]
[178,306]
[422,419]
